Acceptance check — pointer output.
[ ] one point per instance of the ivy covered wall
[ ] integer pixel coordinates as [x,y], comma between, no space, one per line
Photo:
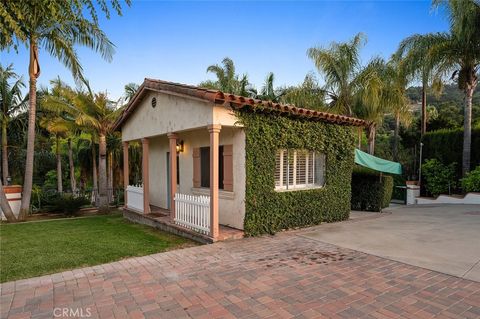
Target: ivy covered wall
[268,211]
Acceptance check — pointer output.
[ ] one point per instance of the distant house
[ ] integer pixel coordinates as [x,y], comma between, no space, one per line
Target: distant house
[212,158]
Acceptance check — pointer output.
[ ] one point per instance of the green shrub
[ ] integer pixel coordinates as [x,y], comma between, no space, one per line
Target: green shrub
[67,204]
[371,191]
[446,145]
[471,182]
[439,178]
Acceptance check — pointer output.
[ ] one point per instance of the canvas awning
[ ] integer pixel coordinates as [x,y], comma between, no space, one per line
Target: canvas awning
[377,163]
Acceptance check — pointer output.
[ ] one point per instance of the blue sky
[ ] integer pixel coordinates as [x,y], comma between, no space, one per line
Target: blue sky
[177,40]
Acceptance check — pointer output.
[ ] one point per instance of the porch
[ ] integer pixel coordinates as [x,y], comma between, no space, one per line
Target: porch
[171,194]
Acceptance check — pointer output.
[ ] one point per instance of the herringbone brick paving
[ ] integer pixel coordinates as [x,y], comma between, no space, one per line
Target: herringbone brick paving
[283,276]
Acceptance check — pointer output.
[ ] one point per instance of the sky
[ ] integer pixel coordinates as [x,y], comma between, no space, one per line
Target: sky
[177,40]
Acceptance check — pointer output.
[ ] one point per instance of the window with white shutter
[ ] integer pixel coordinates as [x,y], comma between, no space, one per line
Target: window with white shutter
[299,169]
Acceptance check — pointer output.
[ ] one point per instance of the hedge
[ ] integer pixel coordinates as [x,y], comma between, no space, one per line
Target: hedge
[268,211]
[370,190]
[446,145]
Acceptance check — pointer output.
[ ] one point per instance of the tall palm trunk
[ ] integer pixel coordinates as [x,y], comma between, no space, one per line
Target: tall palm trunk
[4,151]
[59,166]
[5,206]
[371,131]
[102,170]
[33,72]
[396,137]
[424,109]
[94,169]
[73,182]
[467,128]
[110,177]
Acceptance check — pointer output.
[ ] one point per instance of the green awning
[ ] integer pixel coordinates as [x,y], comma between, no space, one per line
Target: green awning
[377,163]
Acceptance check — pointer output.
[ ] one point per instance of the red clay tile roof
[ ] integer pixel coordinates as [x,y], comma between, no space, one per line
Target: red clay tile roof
[231,100]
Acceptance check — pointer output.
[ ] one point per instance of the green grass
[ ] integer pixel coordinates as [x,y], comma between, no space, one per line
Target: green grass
[44,247]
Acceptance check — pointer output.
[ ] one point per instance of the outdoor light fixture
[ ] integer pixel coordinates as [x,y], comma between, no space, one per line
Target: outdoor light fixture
[180,147]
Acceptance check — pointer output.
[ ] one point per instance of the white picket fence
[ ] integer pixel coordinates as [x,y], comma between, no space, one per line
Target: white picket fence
[193,212]
[135,197]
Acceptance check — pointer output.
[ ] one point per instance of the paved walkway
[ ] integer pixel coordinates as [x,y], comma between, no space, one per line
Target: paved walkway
[444,238]
[285,276]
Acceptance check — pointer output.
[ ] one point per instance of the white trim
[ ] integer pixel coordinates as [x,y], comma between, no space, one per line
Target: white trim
[294,186]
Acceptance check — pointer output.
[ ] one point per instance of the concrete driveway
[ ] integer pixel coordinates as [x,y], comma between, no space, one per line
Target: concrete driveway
[442,238]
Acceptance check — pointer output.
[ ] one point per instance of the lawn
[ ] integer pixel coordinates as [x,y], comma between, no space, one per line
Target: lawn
[44,247]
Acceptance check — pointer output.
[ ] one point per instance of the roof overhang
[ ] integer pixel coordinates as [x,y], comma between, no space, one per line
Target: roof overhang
[229,100]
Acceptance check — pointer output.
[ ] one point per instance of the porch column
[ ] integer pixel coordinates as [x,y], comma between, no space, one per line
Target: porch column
[172,138]
[126,179]
[214,130]
[145,176]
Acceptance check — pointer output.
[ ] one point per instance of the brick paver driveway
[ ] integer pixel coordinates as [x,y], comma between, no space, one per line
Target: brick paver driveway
[284,276]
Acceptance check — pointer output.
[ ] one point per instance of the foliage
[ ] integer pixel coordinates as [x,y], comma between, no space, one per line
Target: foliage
[371,191]
[227,80]
[471,182]
[439,178]
[309,94]
[268,91]
[453,55]
[34,249]
[66,203]
[268,211]
[446,146]
[58,25]
[340,65]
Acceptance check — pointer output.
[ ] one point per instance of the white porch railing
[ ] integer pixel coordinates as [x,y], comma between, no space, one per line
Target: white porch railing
[135,197]
[193,212]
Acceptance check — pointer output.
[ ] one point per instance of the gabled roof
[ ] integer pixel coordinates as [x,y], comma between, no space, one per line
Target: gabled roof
[230,100]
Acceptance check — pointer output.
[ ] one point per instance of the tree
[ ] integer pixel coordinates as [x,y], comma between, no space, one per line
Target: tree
[340,66]
[309,94]
[93,113]
[268,91]
[11,102]
[395,82]
[130,90]
[353,90]
[370,98]
[57,26]
[454,54]
[227,80]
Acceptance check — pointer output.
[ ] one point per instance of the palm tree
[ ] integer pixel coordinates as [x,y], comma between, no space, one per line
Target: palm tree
[268,91]
[455,54]
[58,26]
[94,113]
[130,90]
[11,102]
[395,82]
[340,66]
[415,64]
[369,99]
[227,80]
[308,94]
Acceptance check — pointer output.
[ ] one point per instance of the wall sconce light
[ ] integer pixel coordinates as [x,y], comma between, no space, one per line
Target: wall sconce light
[180,147]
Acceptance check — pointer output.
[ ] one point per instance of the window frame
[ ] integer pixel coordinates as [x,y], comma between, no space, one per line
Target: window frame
[205,160]
[292,171]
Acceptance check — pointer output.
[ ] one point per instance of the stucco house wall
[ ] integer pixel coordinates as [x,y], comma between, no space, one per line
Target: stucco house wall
[231,204]
[188,119]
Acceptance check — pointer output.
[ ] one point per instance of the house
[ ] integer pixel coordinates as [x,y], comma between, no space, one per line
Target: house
[211,158]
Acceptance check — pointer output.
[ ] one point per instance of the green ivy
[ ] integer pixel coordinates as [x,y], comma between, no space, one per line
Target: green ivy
[268,211]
